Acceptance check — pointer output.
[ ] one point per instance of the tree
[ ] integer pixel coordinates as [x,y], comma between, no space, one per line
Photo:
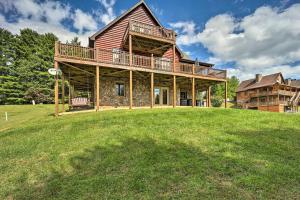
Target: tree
[75,41]
[219,89]
[233,84]
[10,87]
[24,63]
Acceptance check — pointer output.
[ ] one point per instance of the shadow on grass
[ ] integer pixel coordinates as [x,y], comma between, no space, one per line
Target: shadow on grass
[147,169]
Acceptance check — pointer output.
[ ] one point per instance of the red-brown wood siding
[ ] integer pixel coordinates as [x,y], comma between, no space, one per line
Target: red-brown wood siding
[113,37]
[169,54]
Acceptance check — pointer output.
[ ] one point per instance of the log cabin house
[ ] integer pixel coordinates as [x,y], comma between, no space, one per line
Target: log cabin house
[133,62]
[269,93]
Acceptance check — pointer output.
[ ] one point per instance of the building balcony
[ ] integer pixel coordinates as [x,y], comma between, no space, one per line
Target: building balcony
[267,103]
[272,93]
[121,59]
[148,38]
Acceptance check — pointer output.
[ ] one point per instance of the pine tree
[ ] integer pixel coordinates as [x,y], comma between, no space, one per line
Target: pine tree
[34,56]
[10,87]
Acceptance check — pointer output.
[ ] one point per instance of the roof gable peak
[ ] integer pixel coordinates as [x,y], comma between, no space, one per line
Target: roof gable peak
[140,3]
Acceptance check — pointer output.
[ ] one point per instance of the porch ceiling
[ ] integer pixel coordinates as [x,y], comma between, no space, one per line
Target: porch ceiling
[147,46]
[84,76]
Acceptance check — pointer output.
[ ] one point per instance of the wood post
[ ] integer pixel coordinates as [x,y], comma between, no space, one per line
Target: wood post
[152,61]
[225,95]
[208,95]
[174,55]
[63,92]
[174,91]
[56,90]
[130,89]
[56,51]
[152,90]
[193,92]
[130,49]
[97,88]
[193,69]
[70,94]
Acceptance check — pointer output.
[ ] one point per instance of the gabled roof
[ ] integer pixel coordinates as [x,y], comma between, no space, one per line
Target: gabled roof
[267,80]
[295,83]
[93,37]
[142,2]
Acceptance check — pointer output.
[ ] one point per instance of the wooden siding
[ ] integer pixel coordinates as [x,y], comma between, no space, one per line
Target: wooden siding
[113,37]
[169,54]
[276,108]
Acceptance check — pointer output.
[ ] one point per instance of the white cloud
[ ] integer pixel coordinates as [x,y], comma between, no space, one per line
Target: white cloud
[266,41]
[83,21]
[108,15]
[48,16]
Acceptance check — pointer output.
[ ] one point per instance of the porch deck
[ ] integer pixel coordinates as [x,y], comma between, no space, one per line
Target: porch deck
[121,59]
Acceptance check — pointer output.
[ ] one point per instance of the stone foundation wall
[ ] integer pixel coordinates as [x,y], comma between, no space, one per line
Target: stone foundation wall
[140,89]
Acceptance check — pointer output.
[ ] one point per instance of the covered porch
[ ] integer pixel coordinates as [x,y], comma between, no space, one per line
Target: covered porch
[97,88]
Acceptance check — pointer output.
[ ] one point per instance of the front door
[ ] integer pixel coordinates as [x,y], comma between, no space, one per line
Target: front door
[161,95]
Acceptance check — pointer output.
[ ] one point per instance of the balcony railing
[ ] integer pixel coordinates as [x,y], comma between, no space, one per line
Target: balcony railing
[118,57]
[267,103]
[150,30]
[274,92]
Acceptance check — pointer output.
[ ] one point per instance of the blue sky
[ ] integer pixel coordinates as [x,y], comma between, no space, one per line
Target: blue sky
[243,36]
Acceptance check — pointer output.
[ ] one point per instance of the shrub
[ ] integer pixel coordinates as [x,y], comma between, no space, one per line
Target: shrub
[217,101]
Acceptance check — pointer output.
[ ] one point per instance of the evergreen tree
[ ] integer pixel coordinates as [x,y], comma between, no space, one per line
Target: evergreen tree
[232,84]
[10,87]
[34,56]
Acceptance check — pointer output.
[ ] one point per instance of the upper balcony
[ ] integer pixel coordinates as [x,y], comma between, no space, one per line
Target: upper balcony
[115,58]
[148,38]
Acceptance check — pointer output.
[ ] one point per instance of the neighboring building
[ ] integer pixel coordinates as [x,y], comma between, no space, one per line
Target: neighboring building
[133,61]
[269,93]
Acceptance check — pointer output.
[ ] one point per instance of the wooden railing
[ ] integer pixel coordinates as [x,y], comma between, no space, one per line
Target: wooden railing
[74,51]
[141,61]
[147,29]
[267,103]
[163,64]
[184,68]
[118,57]
[273,92]
[208,71]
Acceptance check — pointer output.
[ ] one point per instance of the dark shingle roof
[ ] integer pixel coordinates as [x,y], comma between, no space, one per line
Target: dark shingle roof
[267,80]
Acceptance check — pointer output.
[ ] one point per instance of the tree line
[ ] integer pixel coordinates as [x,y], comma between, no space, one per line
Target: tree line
[24,62]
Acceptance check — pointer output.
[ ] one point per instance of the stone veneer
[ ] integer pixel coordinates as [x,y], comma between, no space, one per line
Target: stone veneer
[140,89]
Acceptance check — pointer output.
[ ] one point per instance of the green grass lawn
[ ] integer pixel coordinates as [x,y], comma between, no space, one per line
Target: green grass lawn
[149,154]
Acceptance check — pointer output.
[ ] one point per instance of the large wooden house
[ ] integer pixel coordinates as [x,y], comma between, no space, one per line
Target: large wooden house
[133,61]
[269,93]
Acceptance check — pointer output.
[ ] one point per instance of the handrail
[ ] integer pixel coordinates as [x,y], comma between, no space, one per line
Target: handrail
[119,57]
[207,71]
[147,29]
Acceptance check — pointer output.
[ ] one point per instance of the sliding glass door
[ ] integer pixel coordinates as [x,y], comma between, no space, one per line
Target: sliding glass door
[161,95]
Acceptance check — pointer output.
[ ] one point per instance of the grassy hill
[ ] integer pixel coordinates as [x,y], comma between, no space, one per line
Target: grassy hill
[149,154]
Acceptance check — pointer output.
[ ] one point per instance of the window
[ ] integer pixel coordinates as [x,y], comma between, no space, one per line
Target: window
[120,89]
[183,95]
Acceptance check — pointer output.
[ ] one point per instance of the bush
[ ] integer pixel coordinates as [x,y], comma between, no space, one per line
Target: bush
[217,101]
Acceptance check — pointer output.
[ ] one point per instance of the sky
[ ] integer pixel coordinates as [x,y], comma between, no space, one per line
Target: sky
[245,37]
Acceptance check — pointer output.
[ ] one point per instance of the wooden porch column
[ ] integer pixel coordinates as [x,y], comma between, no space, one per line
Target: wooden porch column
[130,49]
[174,91]
[56,90]
[130,89]
[152,90]
[225,95]
[69,94]
[193,92]
[174,55]
[63,92]
[208,91]
[97,88]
